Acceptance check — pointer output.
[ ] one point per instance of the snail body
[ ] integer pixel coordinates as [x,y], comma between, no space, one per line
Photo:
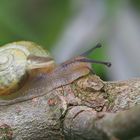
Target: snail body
[35,72]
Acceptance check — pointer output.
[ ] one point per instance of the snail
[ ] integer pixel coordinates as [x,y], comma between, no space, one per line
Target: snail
[28,71]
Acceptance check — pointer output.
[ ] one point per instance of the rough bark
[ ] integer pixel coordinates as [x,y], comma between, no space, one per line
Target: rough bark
[87,109]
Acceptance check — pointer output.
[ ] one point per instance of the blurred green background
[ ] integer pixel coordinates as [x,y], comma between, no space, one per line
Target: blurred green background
[40,21]
[46,22]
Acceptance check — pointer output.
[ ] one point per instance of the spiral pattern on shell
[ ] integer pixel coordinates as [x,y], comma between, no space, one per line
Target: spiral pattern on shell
[13,64]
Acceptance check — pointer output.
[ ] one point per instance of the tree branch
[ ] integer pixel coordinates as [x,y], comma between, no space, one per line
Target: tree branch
[89,108]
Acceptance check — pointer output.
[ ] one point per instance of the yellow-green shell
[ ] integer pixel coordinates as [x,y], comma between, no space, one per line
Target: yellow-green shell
[13,63]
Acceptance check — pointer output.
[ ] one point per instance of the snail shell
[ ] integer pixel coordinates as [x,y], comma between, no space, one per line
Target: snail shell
[18,60]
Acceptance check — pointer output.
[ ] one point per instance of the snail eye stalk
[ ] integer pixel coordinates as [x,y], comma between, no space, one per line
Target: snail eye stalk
[86,60]
[92,49]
